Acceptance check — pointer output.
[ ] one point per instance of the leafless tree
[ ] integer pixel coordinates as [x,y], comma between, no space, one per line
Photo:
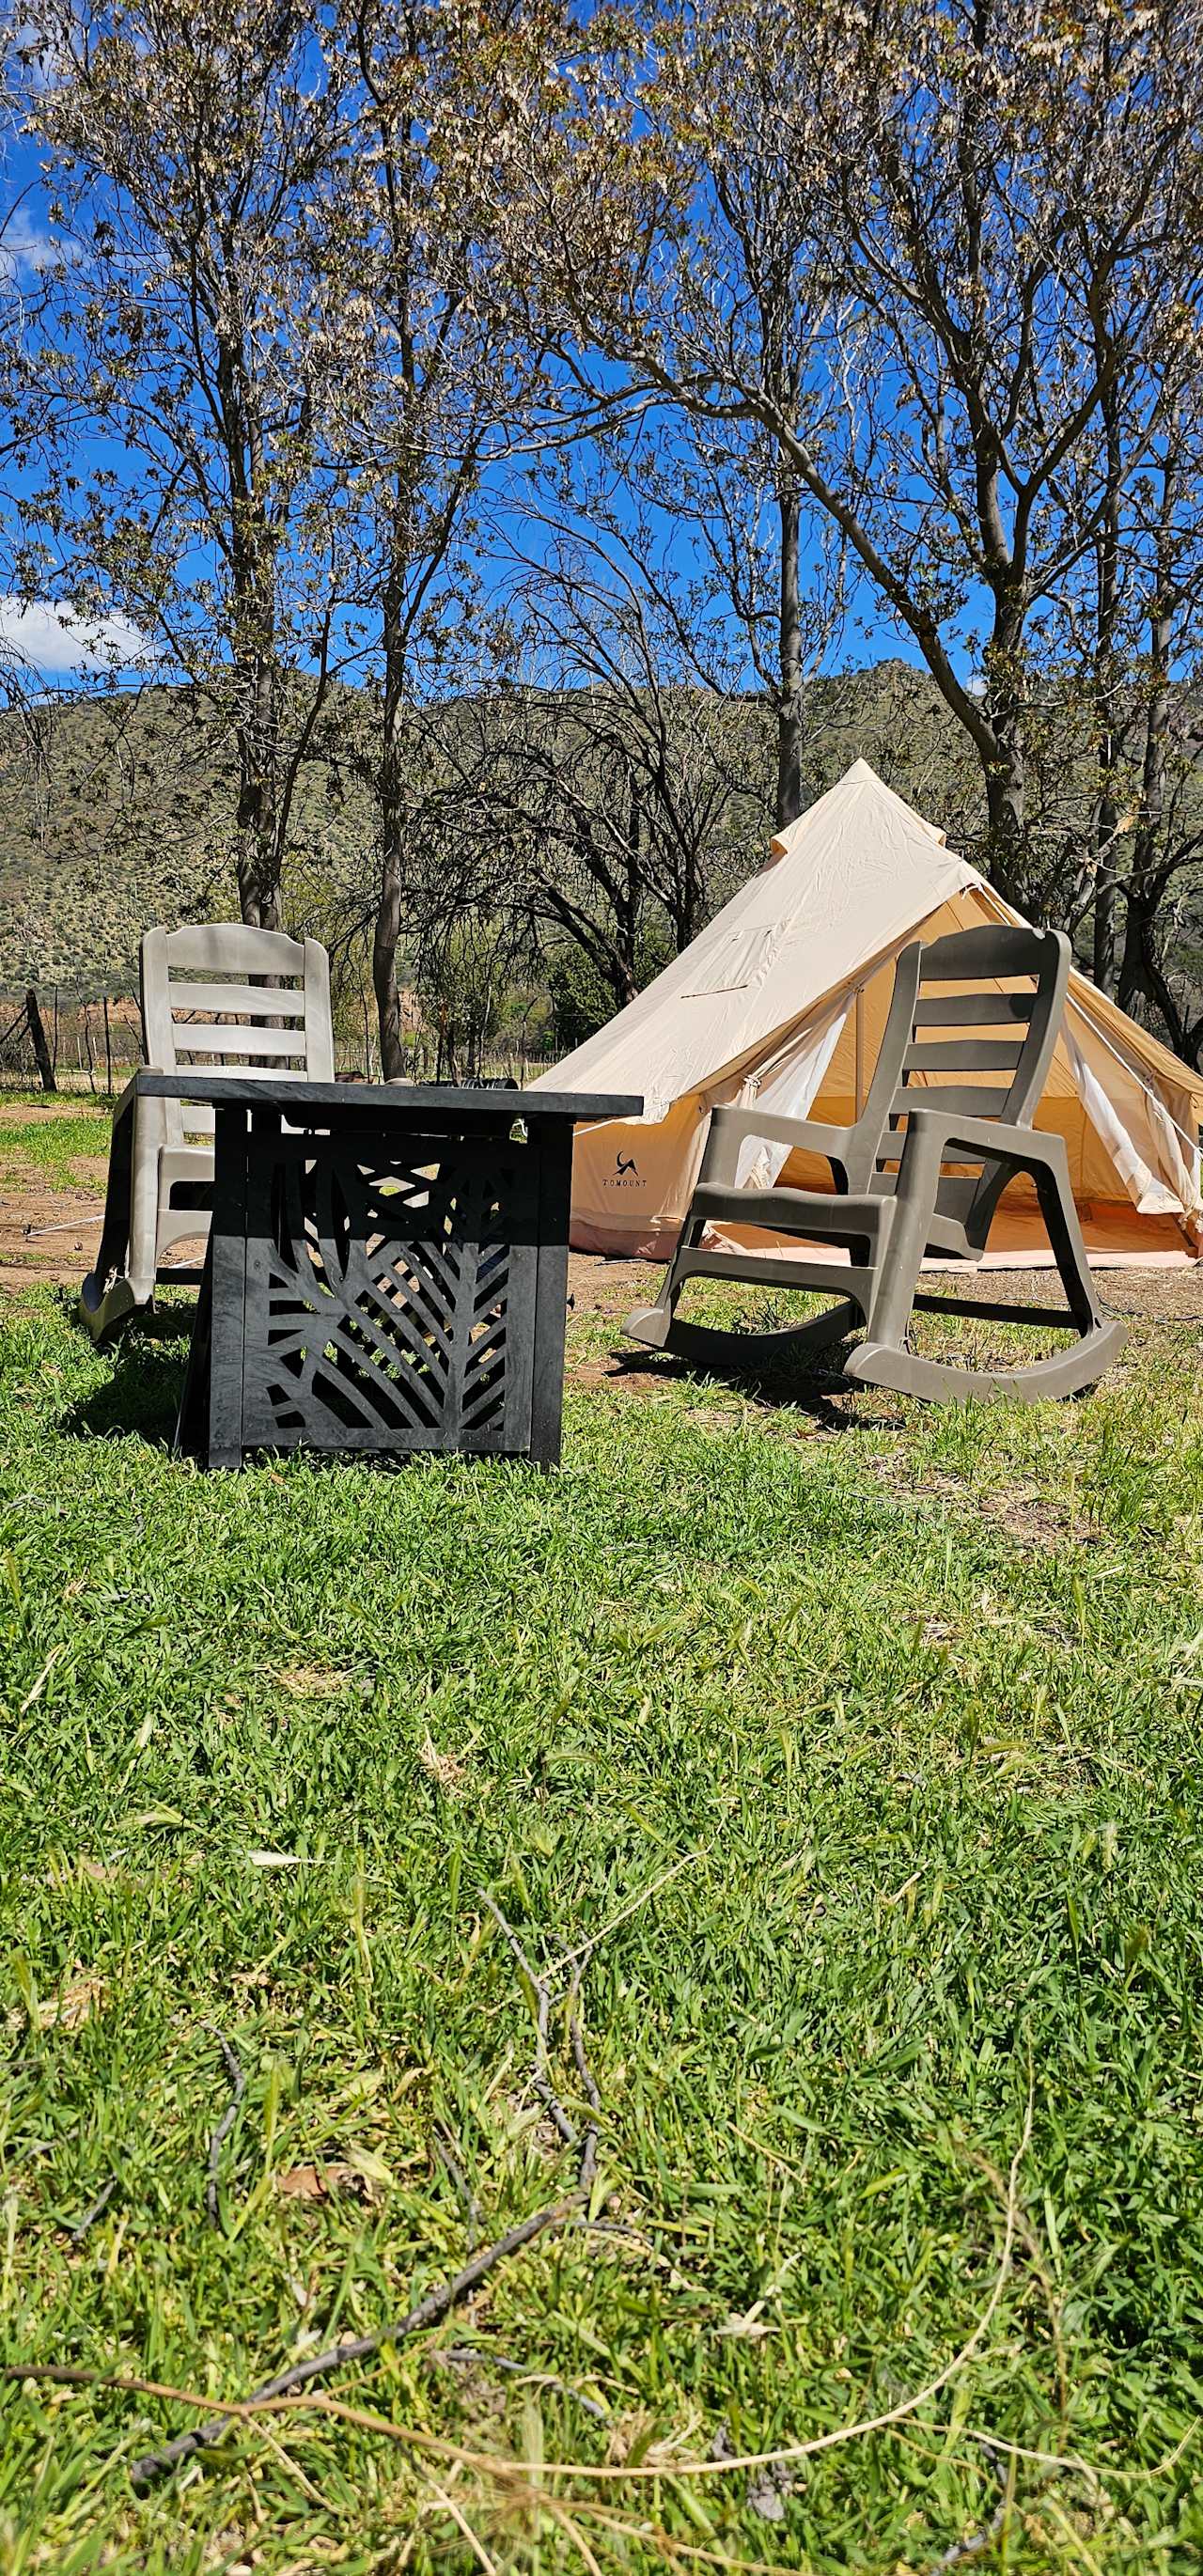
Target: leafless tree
[189,150]
[435,370]
[934,256]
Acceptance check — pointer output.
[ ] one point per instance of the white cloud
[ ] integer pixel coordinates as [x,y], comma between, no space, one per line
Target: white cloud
[28,249]
[49,635]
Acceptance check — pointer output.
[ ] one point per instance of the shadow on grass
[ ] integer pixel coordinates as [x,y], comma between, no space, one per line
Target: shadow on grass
[142,1394]
[772,1368]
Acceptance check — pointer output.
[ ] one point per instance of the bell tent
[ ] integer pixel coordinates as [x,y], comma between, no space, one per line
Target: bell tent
[782,1001]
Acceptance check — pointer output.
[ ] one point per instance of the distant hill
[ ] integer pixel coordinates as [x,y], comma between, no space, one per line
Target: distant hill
[117,811]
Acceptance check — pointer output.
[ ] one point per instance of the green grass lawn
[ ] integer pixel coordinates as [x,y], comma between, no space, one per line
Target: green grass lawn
[49,1149]
[913,1695]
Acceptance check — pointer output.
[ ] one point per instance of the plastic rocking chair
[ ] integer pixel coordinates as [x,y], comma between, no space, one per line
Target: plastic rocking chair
[972,1026]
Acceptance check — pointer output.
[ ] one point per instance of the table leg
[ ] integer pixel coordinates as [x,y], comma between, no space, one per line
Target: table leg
[192,1423]
[554,1146]
[102,1308]
[225,1267]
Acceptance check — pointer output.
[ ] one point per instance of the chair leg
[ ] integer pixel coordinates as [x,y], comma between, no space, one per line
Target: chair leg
[884,1360]
[658,1328]
[945,1382]
[899,1258]
[1068,1248]
[653,1324]
[124,1277]
[716,1345]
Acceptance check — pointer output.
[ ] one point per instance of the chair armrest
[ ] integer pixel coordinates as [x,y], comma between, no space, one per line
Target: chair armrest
[989,1140]
[139,1124]
[127,1100]
[730,1128]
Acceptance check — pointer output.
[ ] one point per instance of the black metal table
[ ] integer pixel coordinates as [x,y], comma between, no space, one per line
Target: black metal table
[387,1267]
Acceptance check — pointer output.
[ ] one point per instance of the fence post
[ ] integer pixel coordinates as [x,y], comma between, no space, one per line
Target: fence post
[41,1051]
[108,1052]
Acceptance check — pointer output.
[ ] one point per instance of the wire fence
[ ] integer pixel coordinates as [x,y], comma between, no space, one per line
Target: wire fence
[52,1042]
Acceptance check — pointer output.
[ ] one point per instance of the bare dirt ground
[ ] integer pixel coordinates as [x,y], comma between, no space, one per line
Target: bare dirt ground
[609,1288]
[49,1236]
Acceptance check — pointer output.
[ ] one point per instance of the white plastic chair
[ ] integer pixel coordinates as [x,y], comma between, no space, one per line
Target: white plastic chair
[200,1010]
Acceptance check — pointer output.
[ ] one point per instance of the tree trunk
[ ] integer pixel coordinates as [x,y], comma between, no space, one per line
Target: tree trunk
[1105,681]
[1142,972]
[629,917]
[258,896]
[387,934]
[1006,817]
[41,1051]
[384,960]
[258,853]
[789,697]
[1104,898]
[1143,893]
[254,572]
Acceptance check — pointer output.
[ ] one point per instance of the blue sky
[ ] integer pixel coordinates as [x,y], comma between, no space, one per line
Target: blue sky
[62,650]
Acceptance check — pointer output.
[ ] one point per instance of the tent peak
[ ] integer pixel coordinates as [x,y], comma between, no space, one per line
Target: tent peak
[859,775]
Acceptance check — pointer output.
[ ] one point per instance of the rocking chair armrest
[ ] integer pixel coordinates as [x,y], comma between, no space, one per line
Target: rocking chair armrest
[730,1128]
[992,1140]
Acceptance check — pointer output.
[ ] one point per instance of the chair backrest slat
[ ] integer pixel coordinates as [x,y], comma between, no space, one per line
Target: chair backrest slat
[918,1063]
[231,948]
[991,953]
[994,948]
[972,1097]
[200,1009]
[972,1010]
[226,1041]
[239,1001]
[964,1055]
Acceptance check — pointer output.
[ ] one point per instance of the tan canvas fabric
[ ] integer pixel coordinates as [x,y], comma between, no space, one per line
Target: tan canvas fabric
[783,1000]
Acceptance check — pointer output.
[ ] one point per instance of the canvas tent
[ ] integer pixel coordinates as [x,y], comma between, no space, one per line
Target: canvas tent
[783,999]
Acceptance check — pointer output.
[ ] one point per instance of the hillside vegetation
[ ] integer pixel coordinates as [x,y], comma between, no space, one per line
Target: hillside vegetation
[117,811]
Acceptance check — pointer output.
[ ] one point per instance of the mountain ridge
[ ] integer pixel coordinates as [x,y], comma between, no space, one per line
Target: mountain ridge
[117,811]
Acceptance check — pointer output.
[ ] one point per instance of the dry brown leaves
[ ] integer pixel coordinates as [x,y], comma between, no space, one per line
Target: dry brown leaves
[359,2176]
[73,2005]
[311,1681]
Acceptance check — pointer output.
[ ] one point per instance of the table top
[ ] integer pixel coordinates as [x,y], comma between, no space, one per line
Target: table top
[442,1102]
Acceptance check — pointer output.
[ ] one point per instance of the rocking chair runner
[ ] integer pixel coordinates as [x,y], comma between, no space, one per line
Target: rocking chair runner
[894,1201]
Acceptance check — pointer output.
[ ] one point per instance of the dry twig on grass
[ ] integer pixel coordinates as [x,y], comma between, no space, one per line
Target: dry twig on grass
[288,2384]
[225,2124]
[430,2311]
[292,2390]
[588,2087]
[289,2392]
[540,2078]
[976,2543]
[481,2354]
[95,2210]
